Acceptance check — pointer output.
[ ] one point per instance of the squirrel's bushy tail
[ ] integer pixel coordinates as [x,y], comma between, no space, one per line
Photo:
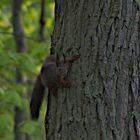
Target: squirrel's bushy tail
[37,98]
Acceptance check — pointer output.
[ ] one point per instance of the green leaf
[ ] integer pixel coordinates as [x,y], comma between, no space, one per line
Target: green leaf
[5,59]
[13,98]
[26,63]
[28,127]
[6,124]
[138,1]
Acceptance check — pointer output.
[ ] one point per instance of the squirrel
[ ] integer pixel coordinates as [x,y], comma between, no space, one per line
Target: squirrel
[52,75]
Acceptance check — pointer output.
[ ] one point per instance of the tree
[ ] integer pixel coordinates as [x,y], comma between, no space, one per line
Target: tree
[21,47]
[103,101]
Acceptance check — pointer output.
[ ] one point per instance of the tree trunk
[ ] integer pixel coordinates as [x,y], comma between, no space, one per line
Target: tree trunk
[103,102]
[42,20]
[21,47]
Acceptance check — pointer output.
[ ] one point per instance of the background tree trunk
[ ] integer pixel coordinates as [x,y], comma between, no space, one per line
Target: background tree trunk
[42,21]
[103,102]
[21,47]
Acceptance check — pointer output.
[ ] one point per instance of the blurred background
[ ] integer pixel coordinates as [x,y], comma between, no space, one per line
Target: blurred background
[18,70]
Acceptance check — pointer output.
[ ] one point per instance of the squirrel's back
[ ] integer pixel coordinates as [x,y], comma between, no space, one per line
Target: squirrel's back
[49,74]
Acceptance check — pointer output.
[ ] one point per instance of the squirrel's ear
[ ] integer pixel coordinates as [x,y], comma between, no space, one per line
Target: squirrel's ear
[64,58]
[60,58]
[57,59]
[42,69]
[52,50]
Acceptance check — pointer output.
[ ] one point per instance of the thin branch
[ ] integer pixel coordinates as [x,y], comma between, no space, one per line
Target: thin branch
[6,33]
[27,37]
[6,78]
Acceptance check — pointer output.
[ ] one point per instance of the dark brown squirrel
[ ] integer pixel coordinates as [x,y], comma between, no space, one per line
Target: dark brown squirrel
[52,75]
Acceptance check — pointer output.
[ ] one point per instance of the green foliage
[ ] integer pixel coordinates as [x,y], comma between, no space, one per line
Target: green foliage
[138,1]
[6,126]
[17,95]
[29,127]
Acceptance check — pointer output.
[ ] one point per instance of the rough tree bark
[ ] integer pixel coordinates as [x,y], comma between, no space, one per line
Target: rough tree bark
[103,102]
[21,47]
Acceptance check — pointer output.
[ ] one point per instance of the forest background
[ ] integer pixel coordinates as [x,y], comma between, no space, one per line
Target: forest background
[15,95]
